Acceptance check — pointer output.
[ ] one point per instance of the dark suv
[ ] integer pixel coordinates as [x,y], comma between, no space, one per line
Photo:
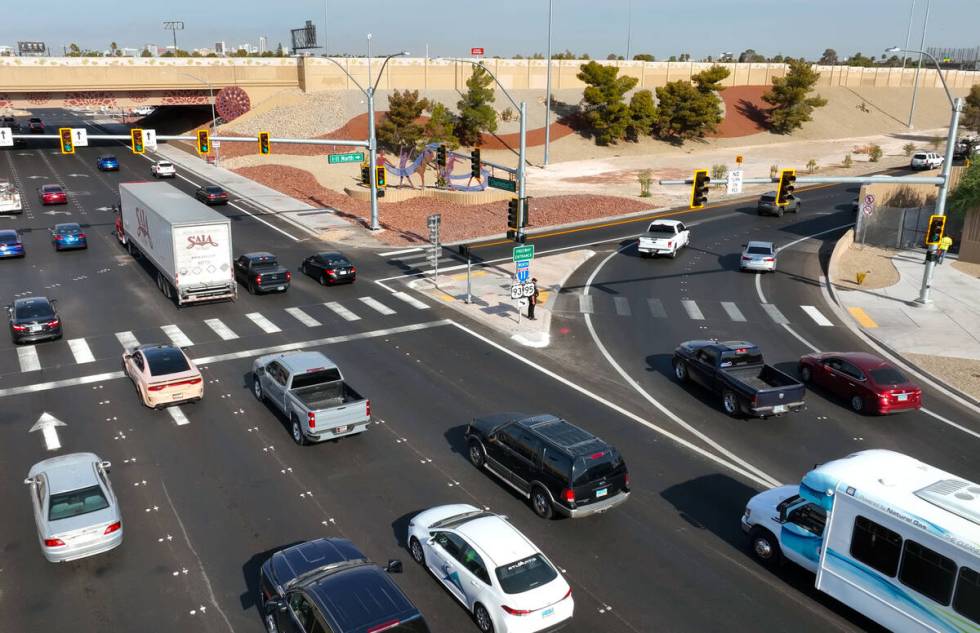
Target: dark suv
[555,464]
[328,585]
[767,205]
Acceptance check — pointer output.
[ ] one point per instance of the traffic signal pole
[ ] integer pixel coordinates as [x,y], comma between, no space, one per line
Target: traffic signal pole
[521,182]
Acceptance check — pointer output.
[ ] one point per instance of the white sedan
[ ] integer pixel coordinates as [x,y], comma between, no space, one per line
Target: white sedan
[163,169]
[490,568]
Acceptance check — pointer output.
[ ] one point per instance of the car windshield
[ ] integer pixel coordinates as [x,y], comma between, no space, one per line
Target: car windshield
[759,250]
[661,228]
[887,376]
[589,468]
[165,165]
[33,310]
[65,505]
[166,360]
[51,189]
[526,574]
[316,377]
[334,260]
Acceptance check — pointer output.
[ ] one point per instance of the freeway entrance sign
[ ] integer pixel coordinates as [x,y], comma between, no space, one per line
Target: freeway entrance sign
[502,183]
[351,157]
[522,253]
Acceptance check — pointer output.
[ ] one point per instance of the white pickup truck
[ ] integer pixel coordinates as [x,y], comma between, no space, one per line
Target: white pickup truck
[163,169]
[9,199]
[664,237]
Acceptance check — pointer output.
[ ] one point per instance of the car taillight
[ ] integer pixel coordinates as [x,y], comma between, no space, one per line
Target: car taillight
[113,527]
[20,328]
[367,406]
[377,628]
[626,480]
[769,259]
[82,236]
[53,323]
[670,244]
[515,611]
[53,542]
[156,387]
[353,269]
[17,245]
[312,419]
[332,272]
[568,495]
[190,381]
[59,237]
[568,595]
[258,279]
[746,259]
[289,276]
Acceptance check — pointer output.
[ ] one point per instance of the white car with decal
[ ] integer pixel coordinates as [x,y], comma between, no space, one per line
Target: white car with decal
[492,569]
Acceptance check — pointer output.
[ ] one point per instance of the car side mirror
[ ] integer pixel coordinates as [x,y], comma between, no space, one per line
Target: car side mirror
[260,371]
[106,465]
[394,566]
[273,605]
[431,541]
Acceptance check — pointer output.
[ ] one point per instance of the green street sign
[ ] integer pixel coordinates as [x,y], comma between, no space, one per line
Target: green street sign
[353,157]
[523,253]
[502,183]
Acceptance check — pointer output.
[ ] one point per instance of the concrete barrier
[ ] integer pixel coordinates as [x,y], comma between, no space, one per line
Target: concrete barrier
[841,247]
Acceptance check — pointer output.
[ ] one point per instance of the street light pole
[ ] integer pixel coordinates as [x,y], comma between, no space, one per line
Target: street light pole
[957,106]
[918,67]
[629,26]
[547,98]
[908,34]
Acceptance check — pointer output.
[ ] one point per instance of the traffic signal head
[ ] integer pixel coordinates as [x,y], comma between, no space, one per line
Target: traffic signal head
[699,189]
[380,175]
[512,213]
[475,163]
[264,148]
[365,174]
[937,224]
[136,141]
[203,142]
[67,147]
[441,155]
[787,183]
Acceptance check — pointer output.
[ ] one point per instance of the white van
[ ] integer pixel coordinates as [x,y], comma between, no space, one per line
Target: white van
[887,535]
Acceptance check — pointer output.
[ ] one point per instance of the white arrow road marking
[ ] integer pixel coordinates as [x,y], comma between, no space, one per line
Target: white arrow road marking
[53,212]
[48,424]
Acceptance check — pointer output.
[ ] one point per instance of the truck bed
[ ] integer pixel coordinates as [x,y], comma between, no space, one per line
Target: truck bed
[761,378]
[326,396]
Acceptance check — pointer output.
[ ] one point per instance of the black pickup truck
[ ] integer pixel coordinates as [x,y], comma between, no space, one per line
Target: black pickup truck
[261,272]
[736,371]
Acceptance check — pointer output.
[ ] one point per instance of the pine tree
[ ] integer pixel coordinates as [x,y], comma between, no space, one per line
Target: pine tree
[684,111]
[400,129]
[642,113]
[476,112]
[791,107]
[605,113]
[441,126]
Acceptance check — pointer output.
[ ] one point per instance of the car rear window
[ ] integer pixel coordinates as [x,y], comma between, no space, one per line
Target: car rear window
[768,197]
[316,377]
[741,357]
[661,228]
[589,468]
[166,360]
[65,505]
[51,188]
[526,574]
[213,189]
[887,376]
[33,310]
[759,250]
[919,156]
[164,165]
[69,229]
[8,238]
[339,262]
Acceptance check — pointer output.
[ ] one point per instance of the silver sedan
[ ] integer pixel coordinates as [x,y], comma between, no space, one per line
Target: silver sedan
[75,509]
[760,256]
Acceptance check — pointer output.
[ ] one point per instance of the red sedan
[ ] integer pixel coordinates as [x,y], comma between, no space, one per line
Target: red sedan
[52,194]
[870,384]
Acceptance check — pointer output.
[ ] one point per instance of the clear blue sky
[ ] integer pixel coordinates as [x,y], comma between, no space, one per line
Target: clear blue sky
[505,27]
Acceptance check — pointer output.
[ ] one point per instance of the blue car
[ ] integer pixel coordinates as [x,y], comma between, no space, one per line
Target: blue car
[68,236]
[108,162]
[11,244]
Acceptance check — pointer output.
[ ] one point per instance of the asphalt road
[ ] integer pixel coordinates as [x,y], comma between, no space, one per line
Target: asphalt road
[208,491]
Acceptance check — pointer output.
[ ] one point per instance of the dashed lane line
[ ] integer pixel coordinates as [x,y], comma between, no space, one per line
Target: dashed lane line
[732,311]
[774,313]
[622,306]
[692,309]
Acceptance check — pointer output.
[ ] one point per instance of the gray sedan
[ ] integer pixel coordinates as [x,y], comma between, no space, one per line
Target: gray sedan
[767,205]
[76,511]
[760,256]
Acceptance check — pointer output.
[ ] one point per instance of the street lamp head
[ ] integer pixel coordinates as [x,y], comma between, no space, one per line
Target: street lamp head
[893,49]
[404,53]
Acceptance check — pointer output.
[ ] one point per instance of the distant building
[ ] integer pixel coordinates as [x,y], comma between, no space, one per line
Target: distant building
[129,52]
[153,48]
[219,48]
[263,44]
[6,51]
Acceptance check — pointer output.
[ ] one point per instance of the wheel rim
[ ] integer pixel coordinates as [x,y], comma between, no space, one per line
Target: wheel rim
[483,619]
[857,403]
[475,455]
[297,433]
[805,374]
[541,505]
[729,403]
[257,389]
[680,371]
[417,553]
[763,548]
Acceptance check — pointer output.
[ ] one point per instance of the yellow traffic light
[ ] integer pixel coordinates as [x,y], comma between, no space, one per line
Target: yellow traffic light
[203,142]
[787,180]
[699,189]
[136,141]
[67,147]
[264,147]
[937,224]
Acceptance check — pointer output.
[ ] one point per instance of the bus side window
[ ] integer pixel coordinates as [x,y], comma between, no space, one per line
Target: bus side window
[966,600]
[928,572]
[876,545]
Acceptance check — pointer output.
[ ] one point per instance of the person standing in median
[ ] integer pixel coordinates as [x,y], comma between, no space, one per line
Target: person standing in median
[944,245]
[532,300]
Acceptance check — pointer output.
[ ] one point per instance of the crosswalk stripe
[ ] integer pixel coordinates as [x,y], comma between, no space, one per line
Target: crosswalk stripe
[80,350]
[412,301]
[622,306]
[817,316]
[303,317]
[128,340]
[267,326]
[178,416]
[657,308]
[413,258]
[377,305]
[585,304]
[403,252]
[28,358]
[775,314]
[692,309]
[732,310]
[176,337]
[342,311]
[221,329]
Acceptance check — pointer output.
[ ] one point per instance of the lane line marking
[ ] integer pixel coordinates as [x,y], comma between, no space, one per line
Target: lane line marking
[657,308]
[28,359]
[81,351]
[302,317]
[373,303]
[402,252]
[692,309]
[265,324]
[862,317]
[817,316]
[585,304]
[221,329]
[175,335]
[178,416]
[412,301]
[128,340]
[341,311]
[268,224]
[733,312]
[774,313]
[622,306]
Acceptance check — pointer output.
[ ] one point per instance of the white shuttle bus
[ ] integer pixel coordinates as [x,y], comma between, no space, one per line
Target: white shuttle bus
[887,535]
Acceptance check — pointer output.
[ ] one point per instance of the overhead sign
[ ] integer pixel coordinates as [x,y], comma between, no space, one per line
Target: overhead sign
[524,252]
[150,139]
[869,204]
[6,137]
[352,157]
[734,182]
[79,137]
[502,183]
[476,52]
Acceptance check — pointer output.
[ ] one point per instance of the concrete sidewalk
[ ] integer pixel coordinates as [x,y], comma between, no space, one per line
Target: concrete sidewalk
[941,338]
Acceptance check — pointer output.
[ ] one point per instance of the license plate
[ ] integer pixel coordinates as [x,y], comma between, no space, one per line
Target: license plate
[902,397]
[35,327]
[280,287]
[343,271]
[176,396]
[341,429]
[779,408]
[602,492]
[548,612]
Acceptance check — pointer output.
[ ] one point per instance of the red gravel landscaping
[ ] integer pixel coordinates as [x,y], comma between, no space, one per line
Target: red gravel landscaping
[405,222]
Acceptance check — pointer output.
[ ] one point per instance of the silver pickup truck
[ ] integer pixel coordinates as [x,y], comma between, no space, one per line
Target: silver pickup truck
[310,391]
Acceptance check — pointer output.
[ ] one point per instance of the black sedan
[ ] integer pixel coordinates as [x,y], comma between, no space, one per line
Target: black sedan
[329,268]
[211,194]
[33,319]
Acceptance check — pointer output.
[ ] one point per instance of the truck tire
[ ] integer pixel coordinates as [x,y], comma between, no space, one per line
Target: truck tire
[729,402]
[805,374]
[477,455]
[796,209]
[541,503]
[296,430]
[680,371]
[257,389]
[765,547]
[779,212]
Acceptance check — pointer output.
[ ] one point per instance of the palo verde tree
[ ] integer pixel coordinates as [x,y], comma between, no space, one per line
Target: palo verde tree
[476,111]
[791,107]
[400,130]
[605,113]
